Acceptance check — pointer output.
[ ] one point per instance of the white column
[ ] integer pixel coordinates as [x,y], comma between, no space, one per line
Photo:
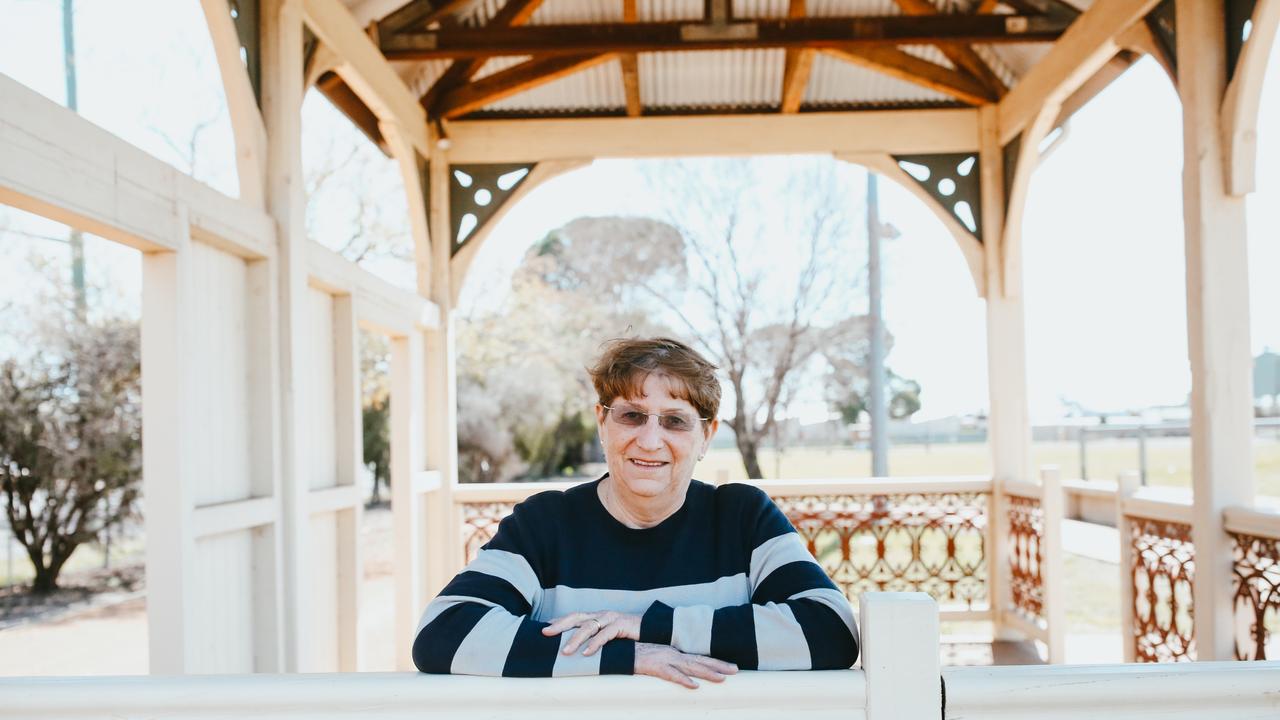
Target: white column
[349,450]
[168,426]
[408,457]
[443,521]
[1217,323]
[1008,423]
[1126,486]
[282,90]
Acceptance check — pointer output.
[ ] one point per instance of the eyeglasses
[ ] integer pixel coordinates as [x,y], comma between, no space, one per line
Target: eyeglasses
[634,417]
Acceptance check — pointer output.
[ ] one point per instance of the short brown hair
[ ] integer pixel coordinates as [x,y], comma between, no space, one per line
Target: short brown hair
[624,364]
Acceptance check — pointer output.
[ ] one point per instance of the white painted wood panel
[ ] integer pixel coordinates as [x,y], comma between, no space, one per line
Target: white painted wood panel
[320,642]
[220,354]
[316,393]
[223,636]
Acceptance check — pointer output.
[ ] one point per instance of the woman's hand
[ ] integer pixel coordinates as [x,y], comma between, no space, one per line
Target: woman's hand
[598,627]
[668,663]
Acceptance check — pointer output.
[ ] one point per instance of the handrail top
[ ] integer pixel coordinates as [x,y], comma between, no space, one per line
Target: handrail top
[414,694]
[508,492]
[1262,522]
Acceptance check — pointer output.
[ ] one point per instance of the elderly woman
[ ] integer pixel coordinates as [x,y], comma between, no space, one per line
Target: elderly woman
[644,571]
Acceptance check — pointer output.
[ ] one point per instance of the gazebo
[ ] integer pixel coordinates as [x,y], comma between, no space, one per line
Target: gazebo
[250,353]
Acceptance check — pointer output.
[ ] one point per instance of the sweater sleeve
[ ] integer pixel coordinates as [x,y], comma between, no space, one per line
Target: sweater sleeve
[797,619]
[482,622]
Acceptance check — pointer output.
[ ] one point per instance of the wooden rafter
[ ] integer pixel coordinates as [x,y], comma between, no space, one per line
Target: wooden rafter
[795,73]
[962,56]
[630,65]
[905,66]
[513,80]
[514,13]
[800,33]
[418,14]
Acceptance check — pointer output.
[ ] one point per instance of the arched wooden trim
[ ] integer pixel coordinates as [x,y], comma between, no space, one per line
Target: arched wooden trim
[540,173]
[1018,185]
[413,174]
[242,104]
[970,247]
[1240,103]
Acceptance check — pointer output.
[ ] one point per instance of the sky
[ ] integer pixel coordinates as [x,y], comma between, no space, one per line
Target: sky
[1103,248]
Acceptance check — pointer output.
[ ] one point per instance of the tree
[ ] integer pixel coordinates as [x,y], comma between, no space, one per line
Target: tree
[773,274]
[524,399]
[70,442]
[375,410]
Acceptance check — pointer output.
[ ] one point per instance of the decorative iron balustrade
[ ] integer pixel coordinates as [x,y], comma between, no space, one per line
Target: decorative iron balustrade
[1257,593]
[1026,556]
[928,542]
[933,542]
[1163,575]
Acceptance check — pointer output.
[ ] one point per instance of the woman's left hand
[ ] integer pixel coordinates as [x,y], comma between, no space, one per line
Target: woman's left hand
[598,627]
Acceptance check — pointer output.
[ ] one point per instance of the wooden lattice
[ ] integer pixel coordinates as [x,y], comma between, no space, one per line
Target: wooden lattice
[1026,556]
[1257,593]
[1163,575]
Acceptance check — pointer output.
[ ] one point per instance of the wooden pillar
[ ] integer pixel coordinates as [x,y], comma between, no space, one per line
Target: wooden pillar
[408,458]
[1008,424]
[349,459]
[282,91]
[443,518]
[168,427]
[1217,323]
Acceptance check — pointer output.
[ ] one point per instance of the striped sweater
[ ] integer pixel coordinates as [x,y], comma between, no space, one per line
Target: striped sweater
[725,576]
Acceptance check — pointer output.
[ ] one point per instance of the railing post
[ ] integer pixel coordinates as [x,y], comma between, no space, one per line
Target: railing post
[1055,614]
[900,655]
[1126,485]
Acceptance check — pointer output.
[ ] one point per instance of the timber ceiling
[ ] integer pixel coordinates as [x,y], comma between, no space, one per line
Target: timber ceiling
[583,58]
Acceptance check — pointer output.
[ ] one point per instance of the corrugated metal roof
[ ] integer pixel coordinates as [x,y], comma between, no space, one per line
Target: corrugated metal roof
[834,83]
[595,89]
[720,80]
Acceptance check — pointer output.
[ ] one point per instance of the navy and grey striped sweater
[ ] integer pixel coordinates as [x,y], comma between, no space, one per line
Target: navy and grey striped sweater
[725,576]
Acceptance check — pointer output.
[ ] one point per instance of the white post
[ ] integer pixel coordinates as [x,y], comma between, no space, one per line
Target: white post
[1055,611]
[1217,323]
[282,90]
[349,458]
[408,456]
[1008,421]
[444,523]
[1127,484]
[900,655]
[168,427]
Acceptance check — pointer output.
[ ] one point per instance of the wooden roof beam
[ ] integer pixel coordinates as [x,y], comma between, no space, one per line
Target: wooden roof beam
[516,79]
[905,66]
[1087,45]
[795,74]
[630,65]
[418,14]
[514,13]
[962,56]
[535,140]
[799,33]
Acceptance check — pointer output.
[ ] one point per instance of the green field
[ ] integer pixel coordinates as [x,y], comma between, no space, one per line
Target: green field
[1168,461]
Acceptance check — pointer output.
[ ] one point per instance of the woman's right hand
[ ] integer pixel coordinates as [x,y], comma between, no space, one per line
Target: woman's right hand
[668,663]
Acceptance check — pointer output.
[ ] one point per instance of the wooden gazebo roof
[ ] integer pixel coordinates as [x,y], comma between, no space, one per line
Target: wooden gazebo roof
[477,59]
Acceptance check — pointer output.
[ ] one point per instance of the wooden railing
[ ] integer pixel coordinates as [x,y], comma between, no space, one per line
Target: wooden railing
[1256,539]
[1157,565]
[901,534]
[1033,547]
[898,678]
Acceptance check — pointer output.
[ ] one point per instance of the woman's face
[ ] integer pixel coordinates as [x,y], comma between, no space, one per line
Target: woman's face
[651,461]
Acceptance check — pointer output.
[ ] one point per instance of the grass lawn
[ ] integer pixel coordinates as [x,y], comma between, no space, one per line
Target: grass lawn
[1168,461]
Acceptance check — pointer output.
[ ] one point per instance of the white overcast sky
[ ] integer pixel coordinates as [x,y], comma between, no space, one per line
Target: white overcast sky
[1103,253]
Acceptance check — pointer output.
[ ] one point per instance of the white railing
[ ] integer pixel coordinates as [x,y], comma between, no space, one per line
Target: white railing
[898,680]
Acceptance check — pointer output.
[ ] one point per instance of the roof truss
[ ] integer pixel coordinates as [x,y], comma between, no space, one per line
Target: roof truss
[430,29]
